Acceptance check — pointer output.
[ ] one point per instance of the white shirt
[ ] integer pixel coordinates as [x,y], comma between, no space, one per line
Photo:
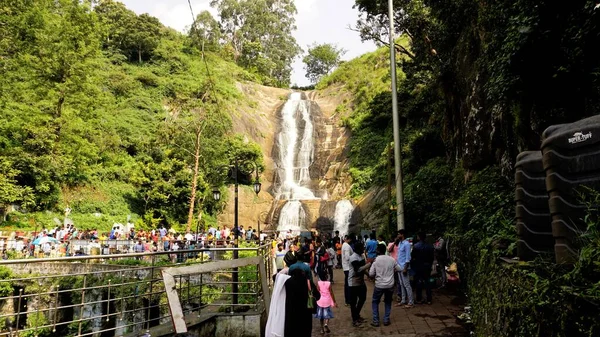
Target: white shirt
[346,252]
[383,269]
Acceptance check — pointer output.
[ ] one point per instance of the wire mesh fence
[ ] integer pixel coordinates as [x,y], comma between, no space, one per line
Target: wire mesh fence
[121,294]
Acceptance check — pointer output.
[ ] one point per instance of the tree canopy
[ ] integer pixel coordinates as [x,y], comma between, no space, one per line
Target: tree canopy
[103,112]
[321,60]
[259,35]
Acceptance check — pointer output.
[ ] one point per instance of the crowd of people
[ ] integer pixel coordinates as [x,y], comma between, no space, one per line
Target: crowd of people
[68,240]
[303,283]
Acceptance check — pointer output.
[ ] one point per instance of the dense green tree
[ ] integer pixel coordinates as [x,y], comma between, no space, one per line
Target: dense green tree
[81,128]
[260,34]
[10,190]
[321,60]
[134,36]
[205,32]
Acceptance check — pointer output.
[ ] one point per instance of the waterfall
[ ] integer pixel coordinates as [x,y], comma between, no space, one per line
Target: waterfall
[292,218]
[296,149]
[341,220]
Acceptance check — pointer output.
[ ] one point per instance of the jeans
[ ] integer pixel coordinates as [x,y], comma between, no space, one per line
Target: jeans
[387,294]
[346,288]
[358,296]
[422,278]
[405,288]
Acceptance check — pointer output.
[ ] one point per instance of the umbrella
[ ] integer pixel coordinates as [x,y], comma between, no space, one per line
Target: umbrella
[43,240]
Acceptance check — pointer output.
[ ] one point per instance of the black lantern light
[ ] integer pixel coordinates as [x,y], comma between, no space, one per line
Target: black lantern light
[257,186]
[216,194]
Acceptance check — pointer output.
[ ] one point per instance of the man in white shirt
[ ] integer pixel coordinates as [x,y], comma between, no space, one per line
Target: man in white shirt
[382,270]
[346,253]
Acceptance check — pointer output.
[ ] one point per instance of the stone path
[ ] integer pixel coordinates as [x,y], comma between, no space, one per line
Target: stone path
[437,319]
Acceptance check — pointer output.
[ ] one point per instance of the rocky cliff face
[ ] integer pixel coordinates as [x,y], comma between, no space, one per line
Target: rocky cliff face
[260,122]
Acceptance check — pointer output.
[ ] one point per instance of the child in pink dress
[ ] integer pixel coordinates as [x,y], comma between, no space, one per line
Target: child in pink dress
[326,302]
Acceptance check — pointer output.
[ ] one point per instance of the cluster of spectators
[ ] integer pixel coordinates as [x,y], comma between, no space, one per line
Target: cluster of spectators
[70,241]
[305,271]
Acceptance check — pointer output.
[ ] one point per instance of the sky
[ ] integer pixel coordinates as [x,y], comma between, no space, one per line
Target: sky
[318,21]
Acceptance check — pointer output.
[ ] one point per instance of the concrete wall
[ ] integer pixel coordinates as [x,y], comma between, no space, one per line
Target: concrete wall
[59,268]
[215,325]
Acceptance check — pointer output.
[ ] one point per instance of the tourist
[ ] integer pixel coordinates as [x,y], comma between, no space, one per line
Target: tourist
[383,270]
[276,321]
[441,256]
[309,249]
[346,253]
[392,249]
[279,255]
[321,257]
[298,316]
[371,248]
[325,303]
[330,262]
[356,282]
[422,257]
[338,253]
[302,264]
[403,260]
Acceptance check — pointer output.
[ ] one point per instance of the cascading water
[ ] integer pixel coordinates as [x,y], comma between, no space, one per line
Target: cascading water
[296,151]
[341,220]
[292,217]
[296,154]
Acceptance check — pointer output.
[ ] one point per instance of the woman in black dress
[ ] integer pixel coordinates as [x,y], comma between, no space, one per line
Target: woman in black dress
[298,317]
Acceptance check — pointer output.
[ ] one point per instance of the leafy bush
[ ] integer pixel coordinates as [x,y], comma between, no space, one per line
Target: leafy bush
[6,289]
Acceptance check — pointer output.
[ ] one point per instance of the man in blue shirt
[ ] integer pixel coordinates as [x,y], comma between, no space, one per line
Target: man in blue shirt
[404,261]
[371,248]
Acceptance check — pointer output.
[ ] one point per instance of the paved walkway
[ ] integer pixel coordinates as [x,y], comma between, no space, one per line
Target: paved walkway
[437,319]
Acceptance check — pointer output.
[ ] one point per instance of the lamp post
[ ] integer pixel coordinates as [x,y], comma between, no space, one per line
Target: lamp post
[234,168]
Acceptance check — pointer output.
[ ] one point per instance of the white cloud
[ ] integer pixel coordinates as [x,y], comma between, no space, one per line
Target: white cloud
[320,21]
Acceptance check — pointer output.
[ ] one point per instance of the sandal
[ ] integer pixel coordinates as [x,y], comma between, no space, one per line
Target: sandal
[327,329]
[399,304]
[408,306]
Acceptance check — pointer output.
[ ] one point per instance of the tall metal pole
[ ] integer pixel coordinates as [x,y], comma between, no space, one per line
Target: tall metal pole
[396,121]
[234,275]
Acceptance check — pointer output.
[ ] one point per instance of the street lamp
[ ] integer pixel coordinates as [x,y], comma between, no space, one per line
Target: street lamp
[234,168]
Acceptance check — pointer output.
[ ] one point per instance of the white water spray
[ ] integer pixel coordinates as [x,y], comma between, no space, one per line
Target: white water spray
[292,218]
[343,213]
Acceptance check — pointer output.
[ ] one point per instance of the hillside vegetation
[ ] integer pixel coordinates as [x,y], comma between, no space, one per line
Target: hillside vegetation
[107,121]
[480,82]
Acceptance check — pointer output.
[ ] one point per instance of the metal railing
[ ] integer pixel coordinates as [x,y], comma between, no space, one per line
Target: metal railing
[121,294]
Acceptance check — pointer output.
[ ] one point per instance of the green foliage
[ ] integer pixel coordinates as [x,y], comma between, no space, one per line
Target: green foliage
[205,32]
[258,34]
[83,127]
[6,289]
[428,197]
[538,298]
[321,60]
[10,191]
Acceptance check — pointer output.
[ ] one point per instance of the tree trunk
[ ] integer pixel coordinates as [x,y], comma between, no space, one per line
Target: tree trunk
[139,55]
[194,180]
